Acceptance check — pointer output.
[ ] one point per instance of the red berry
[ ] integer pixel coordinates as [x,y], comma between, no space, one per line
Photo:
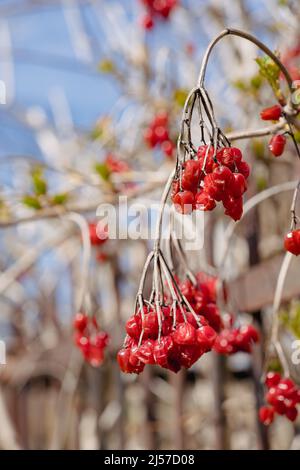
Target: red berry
[123,360]
[96,356]
[271,114]
[134,326]
[98,233]
[150,137]
[277,144]
[272,379]
[184,201]
[168,148]
[145,352]
[250,333]
[161,134]
[237,154]
[222,176]
[147,21]
[80,321]
[101,340]
[292,242]
[292,414]
[212,314]
[150,325]
[237,185]
[206,337]
[226,157]
[204,201]
[209,160]
[243,168]
[212,189]
[161,350]
[266,415]
[189,354]
[185,333]
[234,207]
[161,119]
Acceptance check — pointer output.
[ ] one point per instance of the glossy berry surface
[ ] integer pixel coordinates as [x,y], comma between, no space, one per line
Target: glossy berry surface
[277,145]
[271,114]
[292,242]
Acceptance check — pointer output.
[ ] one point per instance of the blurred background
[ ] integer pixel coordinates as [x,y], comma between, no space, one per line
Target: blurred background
[82,80]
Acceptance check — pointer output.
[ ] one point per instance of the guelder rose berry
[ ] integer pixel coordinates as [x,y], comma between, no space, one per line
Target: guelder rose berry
[271,114]
[277,144]
[292,242]
[184,201]
[90,339]
[282,396]
[157,134]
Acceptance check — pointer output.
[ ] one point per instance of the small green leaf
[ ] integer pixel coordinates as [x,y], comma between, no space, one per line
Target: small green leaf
[297,136]
[271,72]
[103,171]
[32,202]
[256,82]
[38,181]
[240,85]
[179,96]
[60,199]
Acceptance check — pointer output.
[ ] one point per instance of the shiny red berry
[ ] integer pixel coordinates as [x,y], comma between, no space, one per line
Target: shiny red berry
[80,321]
[237,185]
[272,379]
[266,415]
[184,201]
[271,114]
[134,326]
[185,333]
[277,144]
[204,201]
[292,242]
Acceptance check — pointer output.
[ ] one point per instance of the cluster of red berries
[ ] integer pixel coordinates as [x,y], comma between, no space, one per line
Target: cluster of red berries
[179,346]
[282,397]
[233,340]
[90,339]
[292,242]
[157,9]
[207,180]
[185,337]
[157,134]
[202,297]
[278,141]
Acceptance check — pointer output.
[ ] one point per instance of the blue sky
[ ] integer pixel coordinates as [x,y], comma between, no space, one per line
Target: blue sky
[44,60]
